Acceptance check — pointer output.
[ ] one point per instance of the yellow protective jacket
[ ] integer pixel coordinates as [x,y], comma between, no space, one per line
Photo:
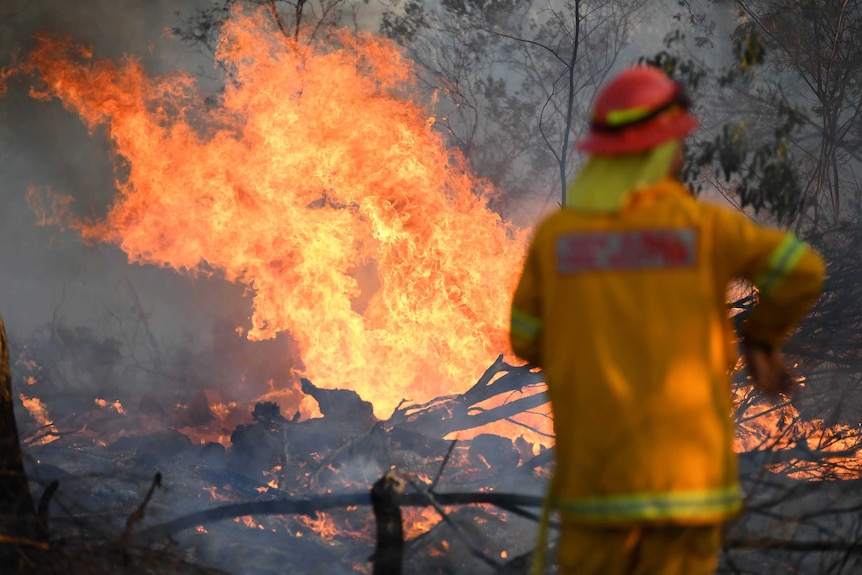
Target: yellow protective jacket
[626,314]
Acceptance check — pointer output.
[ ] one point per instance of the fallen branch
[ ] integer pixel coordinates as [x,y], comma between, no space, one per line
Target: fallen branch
[310,505]
[23,542]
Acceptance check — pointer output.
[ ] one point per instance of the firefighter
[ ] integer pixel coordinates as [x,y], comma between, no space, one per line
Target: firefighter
[622,303]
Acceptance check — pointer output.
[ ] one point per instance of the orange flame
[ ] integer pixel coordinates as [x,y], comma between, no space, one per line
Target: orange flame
[110,406]
[317,182]
[322,523]
[39,412]
[419,520]
[816,450]
[249,522]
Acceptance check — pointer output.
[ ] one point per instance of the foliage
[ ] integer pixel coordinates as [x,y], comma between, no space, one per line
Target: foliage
[781,120]
[812,50]
[761,173]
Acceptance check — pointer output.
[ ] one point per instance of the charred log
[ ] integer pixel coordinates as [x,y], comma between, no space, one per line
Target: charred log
[494,452]
[341,403]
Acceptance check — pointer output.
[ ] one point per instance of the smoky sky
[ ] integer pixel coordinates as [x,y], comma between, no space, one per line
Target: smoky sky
[48,276]
[48,272]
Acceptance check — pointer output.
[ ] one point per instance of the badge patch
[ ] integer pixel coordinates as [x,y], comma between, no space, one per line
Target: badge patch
[634,250]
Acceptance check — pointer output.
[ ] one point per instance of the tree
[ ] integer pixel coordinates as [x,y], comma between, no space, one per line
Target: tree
[813,47]
[303,19]
[17,514]
[514,80]
[789,148]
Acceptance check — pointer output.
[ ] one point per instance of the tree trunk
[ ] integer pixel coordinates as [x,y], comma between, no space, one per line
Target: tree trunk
[17,513]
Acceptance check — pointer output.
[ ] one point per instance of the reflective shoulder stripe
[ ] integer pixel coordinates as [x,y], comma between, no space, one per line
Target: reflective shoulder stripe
[781,263]
[655,506]
[525,325]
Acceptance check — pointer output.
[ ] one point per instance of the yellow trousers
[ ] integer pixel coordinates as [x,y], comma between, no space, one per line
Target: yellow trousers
[638,550]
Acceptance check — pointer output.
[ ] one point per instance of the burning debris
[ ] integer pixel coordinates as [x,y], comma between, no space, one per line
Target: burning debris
[284,486]
[296,485]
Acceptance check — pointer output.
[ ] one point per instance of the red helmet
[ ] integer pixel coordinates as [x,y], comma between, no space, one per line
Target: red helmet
[636,111]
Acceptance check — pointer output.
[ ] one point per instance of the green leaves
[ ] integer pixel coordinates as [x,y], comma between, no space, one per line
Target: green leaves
[763,176]
[686,71]
[749,49]
[752,163]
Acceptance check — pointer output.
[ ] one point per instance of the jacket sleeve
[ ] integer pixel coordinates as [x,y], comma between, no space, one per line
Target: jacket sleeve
[525,325]
[787,273]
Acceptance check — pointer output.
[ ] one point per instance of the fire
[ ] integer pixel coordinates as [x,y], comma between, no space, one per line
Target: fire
[833,452]
[419,520]
[322,523]
[316,181]
[39,412]
[213,491]
[110,406]
[249,522]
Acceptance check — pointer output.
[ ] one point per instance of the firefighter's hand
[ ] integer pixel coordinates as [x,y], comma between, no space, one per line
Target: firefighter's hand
[767,369]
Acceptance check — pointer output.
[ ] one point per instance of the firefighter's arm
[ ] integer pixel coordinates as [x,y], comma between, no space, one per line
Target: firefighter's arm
[525,326]
[786,272]
[787,287]
[788,276]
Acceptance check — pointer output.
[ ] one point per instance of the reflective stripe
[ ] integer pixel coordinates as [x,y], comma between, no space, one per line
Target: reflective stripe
[685,505]
[525,325]
[782,261]
[616,118]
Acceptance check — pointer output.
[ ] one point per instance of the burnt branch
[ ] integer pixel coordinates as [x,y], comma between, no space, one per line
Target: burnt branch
[42,508]
[443,465]
[312,505]
[451,413]
[431,499]
[136,516]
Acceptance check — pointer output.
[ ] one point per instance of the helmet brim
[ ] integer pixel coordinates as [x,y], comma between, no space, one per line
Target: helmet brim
[639,138]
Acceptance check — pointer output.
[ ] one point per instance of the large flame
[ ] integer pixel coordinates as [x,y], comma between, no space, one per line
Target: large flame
[312,170]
